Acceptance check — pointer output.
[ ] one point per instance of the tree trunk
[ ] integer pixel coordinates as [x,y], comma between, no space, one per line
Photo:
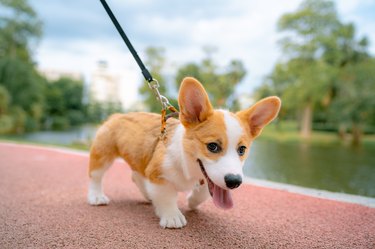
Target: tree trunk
[342,132]
[306,121]
[356,135]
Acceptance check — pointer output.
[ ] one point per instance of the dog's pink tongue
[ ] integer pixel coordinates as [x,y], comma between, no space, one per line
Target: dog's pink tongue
[222,198]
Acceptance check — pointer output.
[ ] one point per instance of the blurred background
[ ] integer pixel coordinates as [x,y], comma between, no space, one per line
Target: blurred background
[64,69]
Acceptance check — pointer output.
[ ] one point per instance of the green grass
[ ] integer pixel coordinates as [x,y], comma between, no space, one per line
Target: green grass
[287,132]
[19,140]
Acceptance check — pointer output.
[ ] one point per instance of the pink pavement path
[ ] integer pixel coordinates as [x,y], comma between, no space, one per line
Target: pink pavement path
[43,205]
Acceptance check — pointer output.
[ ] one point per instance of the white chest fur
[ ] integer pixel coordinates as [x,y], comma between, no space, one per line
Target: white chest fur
[179,171]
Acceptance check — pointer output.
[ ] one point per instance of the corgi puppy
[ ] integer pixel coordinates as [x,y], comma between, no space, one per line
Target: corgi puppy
[203,152]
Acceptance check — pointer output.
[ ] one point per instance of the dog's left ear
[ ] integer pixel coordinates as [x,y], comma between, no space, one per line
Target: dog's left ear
[195,106]
[260,114]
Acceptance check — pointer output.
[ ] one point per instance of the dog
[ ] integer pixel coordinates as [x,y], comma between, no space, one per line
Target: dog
[203,152]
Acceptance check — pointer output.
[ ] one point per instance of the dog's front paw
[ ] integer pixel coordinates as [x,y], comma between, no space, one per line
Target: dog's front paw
[173,220]
[97,199]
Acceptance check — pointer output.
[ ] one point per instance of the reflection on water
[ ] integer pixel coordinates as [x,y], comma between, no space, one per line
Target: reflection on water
[334,168]
[81,134]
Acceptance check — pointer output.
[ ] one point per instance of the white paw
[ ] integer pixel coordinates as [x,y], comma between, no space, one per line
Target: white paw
[97,199]
[173,220]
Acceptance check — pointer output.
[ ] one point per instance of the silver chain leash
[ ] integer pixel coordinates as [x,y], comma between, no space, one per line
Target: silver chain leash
[154,86]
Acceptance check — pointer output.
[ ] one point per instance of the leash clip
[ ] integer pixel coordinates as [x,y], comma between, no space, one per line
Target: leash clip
[154,86]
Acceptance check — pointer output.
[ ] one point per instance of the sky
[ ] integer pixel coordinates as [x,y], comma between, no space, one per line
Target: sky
[77,34]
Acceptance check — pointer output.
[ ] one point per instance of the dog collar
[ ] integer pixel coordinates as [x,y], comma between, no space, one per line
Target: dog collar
[201,181]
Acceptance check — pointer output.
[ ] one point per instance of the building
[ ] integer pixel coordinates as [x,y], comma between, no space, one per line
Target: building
[53,74]
[104,86]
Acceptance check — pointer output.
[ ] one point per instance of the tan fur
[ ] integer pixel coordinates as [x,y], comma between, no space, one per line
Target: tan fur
[259,115]
[195,106]
[198,136]
[135,138]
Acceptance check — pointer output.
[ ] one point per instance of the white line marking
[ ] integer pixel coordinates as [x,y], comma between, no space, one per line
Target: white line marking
[46,147]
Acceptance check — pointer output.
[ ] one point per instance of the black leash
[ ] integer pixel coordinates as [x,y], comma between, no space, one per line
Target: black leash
[152,83]
[145,72]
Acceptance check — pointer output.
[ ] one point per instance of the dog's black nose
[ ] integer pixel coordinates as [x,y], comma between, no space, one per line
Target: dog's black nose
[233,181]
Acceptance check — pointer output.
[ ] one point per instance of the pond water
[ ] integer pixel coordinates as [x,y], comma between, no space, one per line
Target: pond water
[334,168]
[79,134]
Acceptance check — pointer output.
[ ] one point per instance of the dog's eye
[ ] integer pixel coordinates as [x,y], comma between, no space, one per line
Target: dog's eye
[241,150]
[214,147]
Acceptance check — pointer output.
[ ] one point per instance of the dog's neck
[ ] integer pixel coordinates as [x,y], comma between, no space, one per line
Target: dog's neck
[179,158]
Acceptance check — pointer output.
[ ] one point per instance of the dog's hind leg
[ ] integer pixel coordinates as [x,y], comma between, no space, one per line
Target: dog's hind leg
[197,196]
[139,180]
[99,164]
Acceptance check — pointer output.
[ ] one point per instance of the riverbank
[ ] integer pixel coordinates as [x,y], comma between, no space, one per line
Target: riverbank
[21,141]
[287,132]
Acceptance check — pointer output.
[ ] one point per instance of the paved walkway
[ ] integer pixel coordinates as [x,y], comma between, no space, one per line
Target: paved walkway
[43,205]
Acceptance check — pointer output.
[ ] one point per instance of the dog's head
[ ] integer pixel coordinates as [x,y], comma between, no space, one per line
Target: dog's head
[220,140]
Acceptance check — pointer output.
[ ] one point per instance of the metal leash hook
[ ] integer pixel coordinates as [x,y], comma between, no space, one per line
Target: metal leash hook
[154,86]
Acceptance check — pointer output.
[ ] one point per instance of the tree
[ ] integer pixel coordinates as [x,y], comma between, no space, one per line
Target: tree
[98,111]
[355,103]
[4,100]
[64,106]
[316,47]
[220,84]
[25,87]
[5,118]
[19,28]
[308,29]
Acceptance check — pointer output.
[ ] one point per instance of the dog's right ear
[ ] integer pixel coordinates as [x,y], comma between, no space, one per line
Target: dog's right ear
[195,106]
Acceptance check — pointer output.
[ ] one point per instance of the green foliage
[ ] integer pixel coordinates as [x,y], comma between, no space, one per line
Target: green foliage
[19,117]
[59,123]
[220,84]
[305,76]
[64,107]
[26,89]
[308,28]
[6,124]
[324,67]
[98,112]
[4,100]
[21,81]
[355,102]
[19,27]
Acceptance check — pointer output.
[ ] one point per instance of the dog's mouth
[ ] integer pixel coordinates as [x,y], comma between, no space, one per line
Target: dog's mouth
[222,198]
